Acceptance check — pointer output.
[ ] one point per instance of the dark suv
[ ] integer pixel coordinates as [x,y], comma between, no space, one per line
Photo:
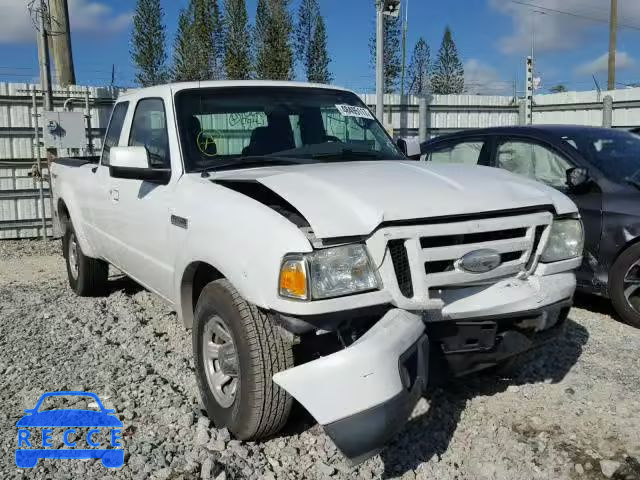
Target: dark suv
[598,168]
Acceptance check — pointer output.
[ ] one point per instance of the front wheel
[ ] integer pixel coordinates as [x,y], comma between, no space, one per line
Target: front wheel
[87,276]
[624,285]
[237,351]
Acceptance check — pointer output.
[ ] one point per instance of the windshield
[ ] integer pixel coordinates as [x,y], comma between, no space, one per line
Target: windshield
[222,126]
[615,153]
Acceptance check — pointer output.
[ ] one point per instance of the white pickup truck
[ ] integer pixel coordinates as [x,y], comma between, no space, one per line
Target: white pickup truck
[311,259]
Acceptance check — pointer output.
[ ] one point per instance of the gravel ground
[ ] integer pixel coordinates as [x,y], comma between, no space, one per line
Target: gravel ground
[573,412]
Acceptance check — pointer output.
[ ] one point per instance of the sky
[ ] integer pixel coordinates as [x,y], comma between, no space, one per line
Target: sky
[493,39]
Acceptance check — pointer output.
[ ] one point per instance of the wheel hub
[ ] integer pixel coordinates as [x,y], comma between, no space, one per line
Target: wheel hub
[73,256]
[220,361]
[631,285]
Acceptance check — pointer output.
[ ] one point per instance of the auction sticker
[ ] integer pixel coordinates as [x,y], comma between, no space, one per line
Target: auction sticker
[354,111]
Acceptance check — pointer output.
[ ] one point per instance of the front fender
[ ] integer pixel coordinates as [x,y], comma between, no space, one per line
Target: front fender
[245,242]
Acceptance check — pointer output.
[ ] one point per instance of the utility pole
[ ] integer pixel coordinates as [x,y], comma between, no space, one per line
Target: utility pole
[379,59]
[383,7]
[613,34]
[45,65]
[61,41]
[405,26]
[529,92]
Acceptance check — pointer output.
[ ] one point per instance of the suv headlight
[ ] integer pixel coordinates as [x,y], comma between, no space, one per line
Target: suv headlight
[566,240]
[327,273]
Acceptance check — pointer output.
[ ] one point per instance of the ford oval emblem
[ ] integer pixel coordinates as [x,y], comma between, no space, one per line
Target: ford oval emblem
[480,261]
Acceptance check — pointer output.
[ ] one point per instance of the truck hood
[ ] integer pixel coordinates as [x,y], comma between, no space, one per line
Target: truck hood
[353,198]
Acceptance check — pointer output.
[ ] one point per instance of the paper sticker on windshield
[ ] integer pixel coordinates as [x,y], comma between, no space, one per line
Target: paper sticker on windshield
[354,111]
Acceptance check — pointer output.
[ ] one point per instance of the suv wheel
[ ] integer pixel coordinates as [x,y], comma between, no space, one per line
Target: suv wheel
[237,351]
[87,276]
[624,285]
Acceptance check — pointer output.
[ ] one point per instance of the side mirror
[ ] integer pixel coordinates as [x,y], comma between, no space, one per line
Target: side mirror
[133,163]
[410,147]
[577,178]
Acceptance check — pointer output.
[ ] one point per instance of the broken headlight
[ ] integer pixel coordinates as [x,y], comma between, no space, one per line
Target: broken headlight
[566,240]
[328,273]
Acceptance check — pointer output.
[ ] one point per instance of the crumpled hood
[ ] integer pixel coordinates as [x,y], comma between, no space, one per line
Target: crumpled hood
[353,198]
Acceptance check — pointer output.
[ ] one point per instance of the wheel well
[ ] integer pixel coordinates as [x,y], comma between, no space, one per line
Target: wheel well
[196,276]
[63,215]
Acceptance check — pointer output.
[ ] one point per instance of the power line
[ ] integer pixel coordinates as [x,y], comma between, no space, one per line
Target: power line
[571,14]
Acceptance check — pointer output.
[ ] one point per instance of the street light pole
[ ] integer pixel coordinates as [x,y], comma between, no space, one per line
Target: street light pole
[379,59]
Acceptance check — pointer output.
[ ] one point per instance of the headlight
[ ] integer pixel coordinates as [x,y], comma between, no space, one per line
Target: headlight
[327,273]
[566,241]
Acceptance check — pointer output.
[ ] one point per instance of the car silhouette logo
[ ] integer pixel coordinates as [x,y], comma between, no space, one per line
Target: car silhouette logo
[480,261]
[69,419]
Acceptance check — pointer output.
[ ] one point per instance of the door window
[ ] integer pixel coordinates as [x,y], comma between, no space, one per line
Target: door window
[533,161]
[463,152]
[114,130]
[149,130]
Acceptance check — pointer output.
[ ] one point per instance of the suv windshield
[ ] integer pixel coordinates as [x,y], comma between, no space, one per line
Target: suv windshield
[616,153]
[245,126]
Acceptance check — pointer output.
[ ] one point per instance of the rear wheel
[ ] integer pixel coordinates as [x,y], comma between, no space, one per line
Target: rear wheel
[624,285]
[237,351]
[87,276]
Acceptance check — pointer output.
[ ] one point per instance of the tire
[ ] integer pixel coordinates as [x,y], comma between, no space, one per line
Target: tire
[627,265]
[256,407]
[87,276]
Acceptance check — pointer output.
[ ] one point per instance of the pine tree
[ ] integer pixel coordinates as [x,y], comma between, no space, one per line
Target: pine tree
[218,38]
[148,43]
[392,51]
[183,54]
[448,75]
[275,57]
[198,42]
[419,68]
[318,69]
[308,14]
[237,54]
[260,28]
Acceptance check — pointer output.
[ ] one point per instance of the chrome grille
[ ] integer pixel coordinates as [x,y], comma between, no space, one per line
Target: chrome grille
[424,258]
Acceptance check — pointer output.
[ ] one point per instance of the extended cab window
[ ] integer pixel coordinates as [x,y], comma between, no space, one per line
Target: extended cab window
[533,161]
[114,130]
[467,152]
[149,130]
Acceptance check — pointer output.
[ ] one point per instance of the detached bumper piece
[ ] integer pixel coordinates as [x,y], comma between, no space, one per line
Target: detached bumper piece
[363,395]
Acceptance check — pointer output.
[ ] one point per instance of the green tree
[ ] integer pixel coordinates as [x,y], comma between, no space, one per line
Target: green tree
[237,43]
[148,43]
[183,60]
[419,68]
[308,14]
[318,67]
[198,42]
[218,38]
[448,74]
[558,89]
[260,28]
[392,52]
[275,57]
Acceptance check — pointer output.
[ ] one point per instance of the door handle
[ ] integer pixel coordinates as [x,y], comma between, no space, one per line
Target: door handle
[114,194]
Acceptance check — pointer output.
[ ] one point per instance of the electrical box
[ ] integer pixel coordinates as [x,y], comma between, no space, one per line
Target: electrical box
[64,130]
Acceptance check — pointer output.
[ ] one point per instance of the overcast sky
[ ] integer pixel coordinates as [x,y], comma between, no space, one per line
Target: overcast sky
[493,38]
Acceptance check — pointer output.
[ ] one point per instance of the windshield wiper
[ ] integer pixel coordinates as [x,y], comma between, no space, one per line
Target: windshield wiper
[346,153]
[249,161]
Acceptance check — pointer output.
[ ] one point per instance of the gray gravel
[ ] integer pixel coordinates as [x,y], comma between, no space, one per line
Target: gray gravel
[573,412]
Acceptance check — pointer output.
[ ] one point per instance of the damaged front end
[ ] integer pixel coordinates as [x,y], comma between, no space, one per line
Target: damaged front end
[363,394]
